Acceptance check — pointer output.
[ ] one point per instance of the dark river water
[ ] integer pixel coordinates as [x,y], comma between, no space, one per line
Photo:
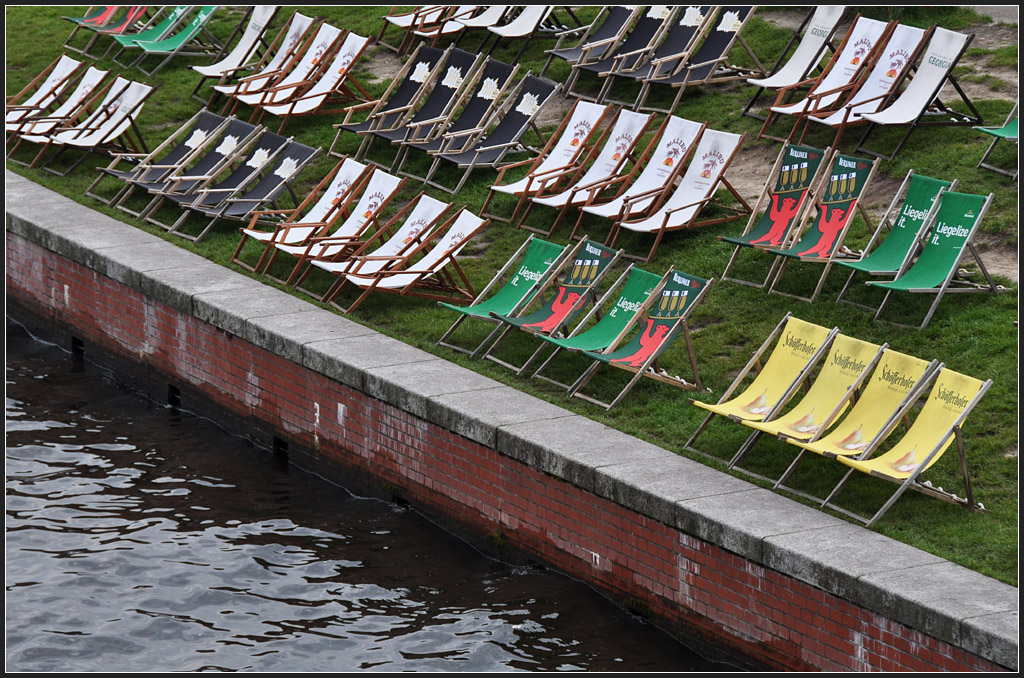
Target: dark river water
[139,538]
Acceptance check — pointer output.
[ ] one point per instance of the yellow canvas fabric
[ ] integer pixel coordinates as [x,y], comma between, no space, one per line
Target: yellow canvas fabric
[950,396]
[847,360]
[797,344]
[891,381]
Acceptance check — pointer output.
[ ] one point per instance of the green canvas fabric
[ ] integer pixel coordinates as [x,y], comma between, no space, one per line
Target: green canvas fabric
[156,32]
[536,262]
[958,216]
[842,191]
[661,326]
[182,37]
[637,288]
[888,257]
[1007,131]
[799,166]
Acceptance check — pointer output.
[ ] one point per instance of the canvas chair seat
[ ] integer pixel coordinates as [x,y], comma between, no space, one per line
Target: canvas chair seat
[98,15]
[596,39]
[247,46]
[490,16]
[323,44]
[154,31]
[425,17]
[524,24]
[450,26]
[106,20]
[92,85]
[1008,132]
[186,42]
[289,42]
[45,90]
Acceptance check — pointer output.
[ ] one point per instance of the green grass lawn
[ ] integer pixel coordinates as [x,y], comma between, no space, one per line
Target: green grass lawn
[973,334]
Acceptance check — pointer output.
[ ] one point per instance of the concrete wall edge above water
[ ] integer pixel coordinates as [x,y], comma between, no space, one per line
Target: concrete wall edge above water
[949,602]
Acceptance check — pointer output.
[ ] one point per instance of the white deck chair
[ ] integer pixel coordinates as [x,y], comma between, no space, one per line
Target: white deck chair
[55,80]
[522,26]
[88,87]
[422,18]
[920,99]
[274,69]
[615,154]
[450,26]
[244,50]
[490,16]
[696,189]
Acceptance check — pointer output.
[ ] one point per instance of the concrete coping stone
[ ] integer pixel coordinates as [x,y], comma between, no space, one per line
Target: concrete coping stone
[912,587]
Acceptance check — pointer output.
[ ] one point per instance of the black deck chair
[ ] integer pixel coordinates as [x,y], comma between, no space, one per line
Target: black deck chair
[238,205]
[709,63]
[472,115]
[595,40]
[520,114]
[643,38]
[680,40]
[458,70]
[184,144]
[392,109]
[234,139]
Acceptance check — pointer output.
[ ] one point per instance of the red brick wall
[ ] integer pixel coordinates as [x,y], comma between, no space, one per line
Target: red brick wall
[711,594]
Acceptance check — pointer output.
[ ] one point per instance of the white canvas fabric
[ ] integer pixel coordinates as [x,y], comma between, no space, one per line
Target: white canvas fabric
[110,120]
[246,45]
[610,161]
[808,52]
[863,37]
[524,24]
[425,14]
[489,17]
[454,25]
[325,38]
[311,100]
[286,50]
[32,131]
[52,85]
[680,134]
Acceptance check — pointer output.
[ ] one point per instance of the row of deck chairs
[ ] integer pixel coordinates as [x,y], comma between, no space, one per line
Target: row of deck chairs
[662,189]
[806,210]
[339,231]
[849,412]
[881,75]
[211,168]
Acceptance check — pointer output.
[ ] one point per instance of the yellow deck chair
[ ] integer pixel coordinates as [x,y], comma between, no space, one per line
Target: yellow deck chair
[898,379]
[800,345]
[952,398]
[848,363]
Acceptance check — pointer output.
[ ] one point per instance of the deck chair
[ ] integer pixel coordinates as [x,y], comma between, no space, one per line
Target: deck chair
[459,70]
[422,18]
[939,423]
[682,37]
[375,193]
[524,26]
[594,40]
[608,321]
[695,191]
[827,220]
[675,147]
[897,381]
[397,103]
[797,172]
[431,271]
[133,19]
[172,154]
[194,39]
[557,159]
[645,34]
[1008,132]
[856,52]
[239,204]
[617,152]
[818,29]
[245,53]
[919,104]
[97,15]
[154,30]
[709,64]
[799,347]
[567,290]
[452,26]
[893,254]
[46,90]
[937,270]
[333,196]
[662,322]
[324,90]
[468,119]
[873,92]
[535,259]
[490,151]
[843,371]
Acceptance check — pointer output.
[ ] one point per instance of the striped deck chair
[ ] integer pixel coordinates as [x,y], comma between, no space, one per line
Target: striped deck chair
[244,54]
[799,347]
[893,254]
[571,287]
[797,172]
[829,218]
[532,263]
[939,423]
[662,322]
[897,381]
[1008,132]
[844,369]
[936,271]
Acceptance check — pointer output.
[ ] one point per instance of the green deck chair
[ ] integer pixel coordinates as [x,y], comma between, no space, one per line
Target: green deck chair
[1008,132]
[952,228]
[830,217]
[156,30]
[796,173]
[892,254]
[634,288]
[664,321]
[194,39]
[538,257]
[571,286]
